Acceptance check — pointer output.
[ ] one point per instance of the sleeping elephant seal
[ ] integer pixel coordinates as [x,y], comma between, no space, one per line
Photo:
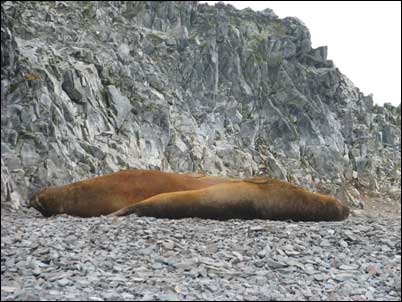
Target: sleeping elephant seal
[257,198]
[105,194]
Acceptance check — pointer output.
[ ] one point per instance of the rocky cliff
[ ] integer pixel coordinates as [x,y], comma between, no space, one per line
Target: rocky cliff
[93,87]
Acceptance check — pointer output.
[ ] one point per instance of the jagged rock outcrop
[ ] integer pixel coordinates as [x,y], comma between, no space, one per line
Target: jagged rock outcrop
[93,87]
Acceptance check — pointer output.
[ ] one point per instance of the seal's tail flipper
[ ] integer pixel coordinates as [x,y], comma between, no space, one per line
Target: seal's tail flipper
[165,205]
[122,212]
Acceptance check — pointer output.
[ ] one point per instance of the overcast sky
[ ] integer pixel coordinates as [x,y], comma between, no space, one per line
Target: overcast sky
[363,39]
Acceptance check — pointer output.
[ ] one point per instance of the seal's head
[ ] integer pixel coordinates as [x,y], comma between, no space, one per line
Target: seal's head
[327,207]
[43,202]
[332,208]
[299,203]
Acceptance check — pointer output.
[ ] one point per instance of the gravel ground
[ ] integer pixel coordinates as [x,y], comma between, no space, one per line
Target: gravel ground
[126,258]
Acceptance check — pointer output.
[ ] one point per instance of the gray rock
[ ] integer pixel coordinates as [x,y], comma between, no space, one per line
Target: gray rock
[120,105]
[348,267]
[344,277]
[249,96]
[63,282]
[70,86]
[275,264]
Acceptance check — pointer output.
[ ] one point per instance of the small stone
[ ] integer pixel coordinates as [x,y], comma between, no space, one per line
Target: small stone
[309,269]
[397,283]
[127,296]
[343,277]
[256,229]
[157,266]
[148,297]
[83,283]
[259,264]
[386,249]
[185,266]
[168,245]
[8,289]
[372,270]
[238,255]
[212,249]
[63,282]
[320,277]
[261,253]
[325,243]
[348,267]
[274,264]
[358,298]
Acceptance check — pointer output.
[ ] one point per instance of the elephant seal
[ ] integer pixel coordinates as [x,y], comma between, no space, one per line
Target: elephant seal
[105,194]
[256,198]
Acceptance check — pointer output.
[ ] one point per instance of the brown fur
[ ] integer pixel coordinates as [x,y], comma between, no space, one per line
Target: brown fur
[257,198]
[105,194]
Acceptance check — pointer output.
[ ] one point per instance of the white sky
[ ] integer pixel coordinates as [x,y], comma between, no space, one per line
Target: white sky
[363,39]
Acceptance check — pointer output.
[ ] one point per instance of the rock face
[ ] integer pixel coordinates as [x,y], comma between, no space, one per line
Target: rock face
[94,87]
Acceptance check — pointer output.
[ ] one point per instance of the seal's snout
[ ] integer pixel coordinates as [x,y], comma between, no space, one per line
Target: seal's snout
[343,211]
[36,204]
[32,202]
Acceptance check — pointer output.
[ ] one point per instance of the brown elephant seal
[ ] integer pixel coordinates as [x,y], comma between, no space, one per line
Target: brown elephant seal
[105,194]
[257,198]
